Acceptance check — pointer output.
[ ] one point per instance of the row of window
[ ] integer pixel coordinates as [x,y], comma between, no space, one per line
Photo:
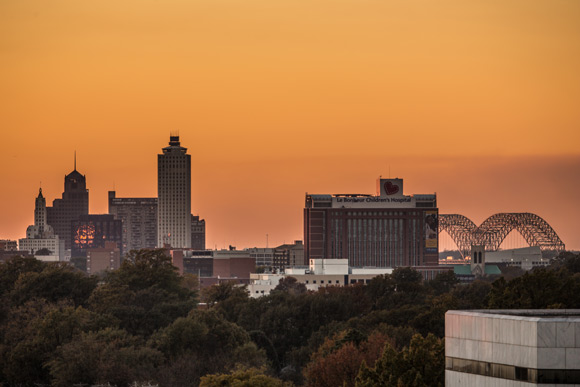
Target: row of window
[512,372]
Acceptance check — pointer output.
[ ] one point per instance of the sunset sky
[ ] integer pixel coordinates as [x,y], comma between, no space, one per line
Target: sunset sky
[478,101]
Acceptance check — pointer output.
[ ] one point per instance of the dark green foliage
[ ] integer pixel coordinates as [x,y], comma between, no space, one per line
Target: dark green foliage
[141,323]
[145,294]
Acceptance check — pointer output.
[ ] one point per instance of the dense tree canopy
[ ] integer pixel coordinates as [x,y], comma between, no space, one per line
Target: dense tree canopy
[140,325]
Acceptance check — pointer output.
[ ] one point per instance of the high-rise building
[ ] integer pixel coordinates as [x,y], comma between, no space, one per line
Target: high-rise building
[139,217]
[94,231]
[74,203]
[197,233]
[386,230]
[40,237]
[174,196]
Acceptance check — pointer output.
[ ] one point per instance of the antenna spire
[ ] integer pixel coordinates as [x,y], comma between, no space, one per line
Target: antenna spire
[75,160]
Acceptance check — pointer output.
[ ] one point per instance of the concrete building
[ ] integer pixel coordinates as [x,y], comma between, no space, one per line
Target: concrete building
[197,233]
[264,256]
[174,194]
[74,203]
[94,231]
[41,236]
[320,273]
[139,220]
[104,258]
[387,230]
[288,255]
[8,245]
[215,266]
[512,348]
[526,258]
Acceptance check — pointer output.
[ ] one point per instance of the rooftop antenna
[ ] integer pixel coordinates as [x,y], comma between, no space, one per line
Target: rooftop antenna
[75,160]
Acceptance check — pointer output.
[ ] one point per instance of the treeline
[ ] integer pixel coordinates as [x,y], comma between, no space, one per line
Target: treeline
[141,325]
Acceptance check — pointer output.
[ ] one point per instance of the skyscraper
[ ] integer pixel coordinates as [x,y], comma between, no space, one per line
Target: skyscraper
[74,203]
[174,196]
[40,236]
[139,217]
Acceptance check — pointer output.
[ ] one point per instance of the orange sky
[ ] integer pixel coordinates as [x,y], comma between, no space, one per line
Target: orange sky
[478,101]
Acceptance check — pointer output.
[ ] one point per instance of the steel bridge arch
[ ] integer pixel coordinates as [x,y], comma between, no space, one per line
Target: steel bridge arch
[492,232]
[460,228]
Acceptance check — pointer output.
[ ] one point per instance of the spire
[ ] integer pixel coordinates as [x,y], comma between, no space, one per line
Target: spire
[40,192]
[75,160]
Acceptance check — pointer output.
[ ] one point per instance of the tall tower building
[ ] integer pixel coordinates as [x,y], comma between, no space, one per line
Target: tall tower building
[40,236]
[74,203]
[174,196]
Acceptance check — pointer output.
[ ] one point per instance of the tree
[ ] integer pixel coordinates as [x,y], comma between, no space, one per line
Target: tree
[421,364]
[55,282]
[107,356]
[14,267]
[338,359]
[145,294]
[251,377]
[44,251]
[290,285]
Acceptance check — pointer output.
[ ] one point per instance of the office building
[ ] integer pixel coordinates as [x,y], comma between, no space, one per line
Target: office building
[264,256]
[8,245]
[288,255]
[512,348]
[41,240]
[197,233]
[100,259]
[74,203]
[94,231]
[388,229]
[174,196]
[139,219]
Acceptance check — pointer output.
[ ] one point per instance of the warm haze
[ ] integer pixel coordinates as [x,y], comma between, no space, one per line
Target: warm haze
[478,101]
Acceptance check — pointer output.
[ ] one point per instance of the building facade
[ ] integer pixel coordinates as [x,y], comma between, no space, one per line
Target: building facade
[512,348]
[74,203]
[387,230]
[40,236]
[288,255]
[174,196]
[94,231]
[197,233]
[104,258]
[139,219]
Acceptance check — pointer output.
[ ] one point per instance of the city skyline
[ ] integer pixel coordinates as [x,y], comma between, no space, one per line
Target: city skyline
[474,101]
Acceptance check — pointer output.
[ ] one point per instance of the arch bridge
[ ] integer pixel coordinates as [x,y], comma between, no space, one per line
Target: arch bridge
[491,233]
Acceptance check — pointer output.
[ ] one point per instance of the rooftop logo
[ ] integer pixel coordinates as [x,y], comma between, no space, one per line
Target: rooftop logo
[390,188]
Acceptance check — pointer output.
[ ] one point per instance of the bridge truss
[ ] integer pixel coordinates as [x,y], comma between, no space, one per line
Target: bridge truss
[491,233]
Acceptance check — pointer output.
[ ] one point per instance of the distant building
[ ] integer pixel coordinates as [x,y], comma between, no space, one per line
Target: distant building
[197,233]
[387,230]
[74,203]
[320,273]
[215,266]
[264,256]
[174,193]
[40,237]
[8,245]
[288,255]
[512,348]
[139,219]
[526,258]
[104,258]
[93,231]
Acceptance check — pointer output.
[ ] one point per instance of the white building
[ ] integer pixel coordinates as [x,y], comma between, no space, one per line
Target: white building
[512,348]
[41,236]
[527,258]
[174,196]
[320,273]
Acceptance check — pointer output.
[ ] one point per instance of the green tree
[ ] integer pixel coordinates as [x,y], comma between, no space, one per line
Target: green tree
[290,285]
[146,293]
[107,356]
[251,377]
[421,364]
[55,282]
